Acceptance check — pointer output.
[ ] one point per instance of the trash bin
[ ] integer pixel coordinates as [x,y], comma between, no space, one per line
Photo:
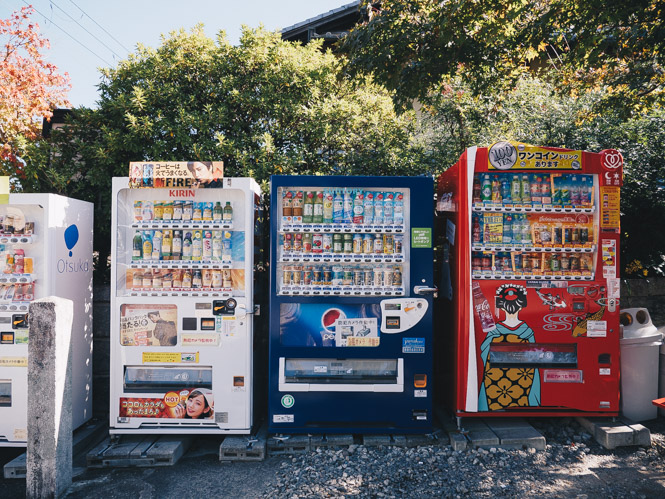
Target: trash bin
[640,349]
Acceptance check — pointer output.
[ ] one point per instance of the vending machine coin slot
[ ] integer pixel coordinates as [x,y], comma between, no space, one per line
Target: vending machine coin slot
[224,307]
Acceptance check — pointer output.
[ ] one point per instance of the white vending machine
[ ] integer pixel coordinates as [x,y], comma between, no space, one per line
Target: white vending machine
[182,308]
[45,250]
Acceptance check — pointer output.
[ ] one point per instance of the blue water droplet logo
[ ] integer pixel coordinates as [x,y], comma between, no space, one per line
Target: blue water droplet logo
[71,237]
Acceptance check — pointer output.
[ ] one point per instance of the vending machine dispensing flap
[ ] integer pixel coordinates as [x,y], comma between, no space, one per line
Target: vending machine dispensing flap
[141,379]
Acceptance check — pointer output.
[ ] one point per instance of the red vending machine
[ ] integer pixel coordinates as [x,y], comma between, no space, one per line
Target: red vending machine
[532,237]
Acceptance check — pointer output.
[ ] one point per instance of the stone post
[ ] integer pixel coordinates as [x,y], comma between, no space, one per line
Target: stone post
[49,453]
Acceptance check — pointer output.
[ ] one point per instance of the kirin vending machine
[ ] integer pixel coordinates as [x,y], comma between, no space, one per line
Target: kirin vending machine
[351,304]
[533,238]
[45,250]
[182,306]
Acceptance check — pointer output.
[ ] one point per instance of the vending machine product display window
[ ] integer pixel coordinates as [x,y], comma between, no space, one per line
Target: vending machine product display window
[534,277]
[350,308]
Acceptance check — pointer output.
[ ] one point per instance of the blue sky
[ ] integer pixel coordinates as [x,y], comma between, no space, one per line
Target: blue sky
[143,21]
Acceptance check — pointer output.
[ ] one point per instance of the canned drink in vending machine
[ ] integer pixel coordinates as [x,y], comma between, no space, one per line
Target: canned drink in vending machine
[388,277]
[397,275]
[358,277]
[399,242]
[297,242]
[307,242]
[316,245]
[297,275]
[358,244]
[307,275]
[287,276]
[287,245]
[388,243]
[316,276]
[337,275]
[347,280]
[327,275]
[378,276]
[378,244]
[368,274]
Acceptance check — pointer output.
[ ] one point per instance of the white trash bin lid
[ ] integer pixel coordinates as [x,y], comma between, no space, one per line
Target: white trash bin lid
[636,323]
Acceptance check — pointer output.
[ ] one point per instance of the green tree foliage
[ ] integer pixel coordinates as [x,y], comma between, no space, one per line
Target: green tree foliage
[410,45]
[534,112]
[263,107]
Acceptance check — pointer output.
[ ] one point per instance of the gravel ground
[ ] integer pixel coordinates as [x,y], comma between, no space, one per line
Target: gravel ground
[572,465]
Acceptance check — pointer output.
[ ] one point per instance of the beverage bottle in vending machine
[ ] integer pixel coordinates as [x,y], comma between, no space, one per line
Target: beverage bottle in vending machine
[536,190]
[358,207]
[515,189]
[197,245]
[526,190]
[217,212]
[226,247]
[217,245]
[575,197]
[378,208]
[176,245]
[399,208]
[476,189]
[338,207]
[496,189]
[388,208]
[308,208]
[586,184]
[507,228]
[476,234]
[482,309]
[207,245]
[137,246]
[526,230]
[347,217]
[167,243]
[506,197]
[517,229]
[486,189]
[368,208]
[328,201]
[187,246]
[317,217]
[147,245]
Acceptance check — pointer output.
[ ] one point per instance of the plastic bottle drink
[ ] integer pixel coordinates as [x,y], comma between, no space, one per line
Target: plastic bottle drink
[207,211]
[187,246]
[515,190]
[486,189]
[399,209]
[526,190]
[358,207]
[338,207]
[308,208]
[217,245]
[476,189]
[217,212]
[506,196]
[507,228]
[536,197]
[147,213]
[168,210]
[317,216]
[207,245]
[517,229]
[338,243]
[137,246]
[368,208]
[328,201]
[177,210]
[167,243]
[197,245]
[368,244]
[496,189]
[585,190]
[147,245]
[475,231]
[348,243]
[157,245]
[176,245]
[388,208]
[378,208]
[556,190]
[197,211]
[348,207]
[526,230]
[227,212]
[226,246]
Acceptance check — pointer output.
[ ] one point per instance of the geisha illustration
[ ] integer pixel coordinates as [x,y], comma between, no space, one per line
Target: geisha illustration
[501,387]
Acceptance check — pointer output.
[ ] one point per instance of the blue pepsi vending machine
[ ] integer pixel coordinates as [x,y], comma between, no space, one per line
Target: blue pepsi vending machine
[351,304]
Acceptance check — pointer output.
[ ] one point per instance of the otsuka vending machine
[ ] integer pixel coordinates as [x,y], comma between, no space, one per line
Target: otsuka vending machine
[351,304]
[182,304]
[45,250]
[533,234]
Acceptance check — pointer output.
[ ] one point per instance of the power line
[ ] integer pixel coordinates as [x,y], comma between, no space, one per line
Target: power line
[85,29]
[100,27]
[70,36]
